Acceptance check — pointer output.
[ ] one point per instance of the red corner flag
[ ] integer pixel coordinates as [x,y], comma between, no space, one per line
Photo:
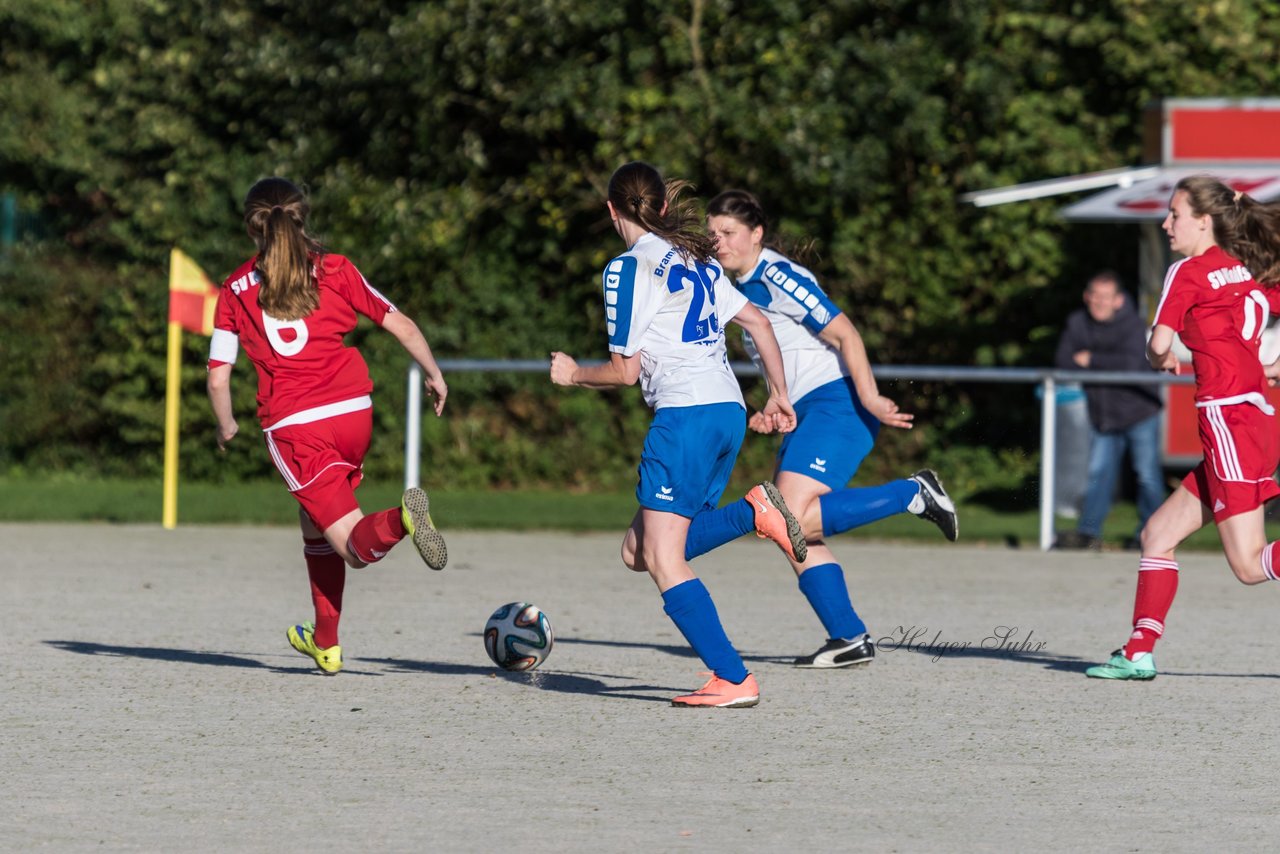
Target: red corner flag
[192,296]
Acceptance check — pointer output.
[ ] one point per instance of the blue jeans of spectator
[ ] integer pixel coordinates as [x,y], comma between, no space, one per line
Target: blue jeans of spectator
[1106,453]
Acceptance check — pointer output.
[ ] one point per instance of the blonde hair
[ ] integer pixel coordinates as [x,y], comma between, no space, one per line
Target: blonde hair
[275,215]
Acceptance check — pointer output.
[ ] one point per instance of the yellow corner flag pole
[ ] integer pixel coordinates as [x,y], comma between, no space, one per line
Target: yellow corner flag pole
[192,300]
[173,375]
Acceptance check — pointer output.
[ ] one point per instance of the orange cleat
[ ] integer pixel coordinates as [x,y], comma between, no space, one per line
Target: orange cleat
[775,522]
[722,694]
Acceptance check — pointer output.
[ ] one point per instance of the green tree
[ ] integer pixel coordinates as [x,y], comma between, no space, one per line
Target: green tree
[458,150]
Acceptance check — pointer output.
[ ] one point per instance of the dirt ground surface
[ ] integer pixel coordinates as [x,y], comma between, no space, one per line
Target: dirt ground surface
[151,703]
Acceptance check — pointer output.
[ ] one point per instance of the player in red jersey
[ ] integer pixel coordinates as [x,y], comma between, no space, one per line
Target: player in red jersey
[289,307]
[1219,308]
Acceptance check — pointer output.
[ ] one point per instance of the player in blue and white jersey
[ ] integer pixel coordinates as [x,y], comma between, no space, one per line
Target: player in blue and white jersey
[839,410]
[666,304]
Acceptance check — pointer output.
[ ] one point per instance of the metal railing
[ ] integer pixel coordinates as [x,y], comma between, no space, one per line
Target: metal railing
[1046,378]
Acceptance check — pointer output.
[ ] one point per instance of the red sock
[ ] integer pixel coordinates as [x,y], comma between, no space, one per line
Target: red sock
[1271,560]
[1157,584]
[375,534]
[328,573]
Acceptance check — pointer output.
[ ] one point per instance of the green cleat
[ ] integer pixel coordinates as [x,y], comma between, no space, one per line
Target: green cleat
[302,638]
[1142,668]
[414,513]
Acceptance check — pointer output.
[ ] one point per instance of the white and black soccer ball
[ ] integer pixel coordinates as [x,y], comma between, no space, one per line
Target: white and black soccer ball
[518,636]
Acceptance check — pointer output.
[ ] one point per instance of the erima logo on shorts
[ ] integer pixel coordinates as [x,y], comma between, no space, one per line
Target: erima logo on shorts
[664,492]
[1218,506]
[818,464]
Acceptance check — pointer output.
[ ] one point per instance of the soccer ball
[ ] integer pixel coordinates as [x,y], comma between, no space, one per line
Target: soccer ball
[518,636]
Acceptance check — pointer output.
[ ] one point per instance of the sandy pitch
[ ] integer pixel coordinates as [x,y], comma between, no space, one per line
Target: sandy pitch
[151,703]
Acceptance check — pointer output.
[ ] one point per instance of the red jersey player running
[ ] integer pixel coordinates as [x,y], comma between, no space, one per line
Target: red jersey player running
[289,307]
[1219,308]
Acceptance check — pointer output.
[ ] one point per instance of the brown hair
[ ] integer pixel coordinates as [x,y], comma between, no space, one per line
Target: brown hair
[746,209]
[275,215]
[1244,227]
[638,193]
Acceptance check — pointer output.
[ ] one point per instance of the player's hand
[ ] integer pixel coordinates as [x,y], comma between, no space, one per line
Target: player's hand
[226,432]
[761,423]
[1272,373]
[1082,358]
[779,409]
[437,388]
[1167,362]
[887,412]
[563,367]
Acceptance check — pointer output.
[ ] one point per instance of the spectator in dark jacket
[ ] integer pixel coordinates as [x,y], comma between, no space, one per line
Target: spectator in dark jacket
[1108,335]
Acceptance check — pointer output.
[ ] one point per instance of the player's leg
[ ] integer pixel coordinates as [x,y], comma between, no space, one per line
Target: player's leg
[835,510]
[1244,540]
[1230,485]
[1246,453]
[821,579]
[828,445]
[320,463]
[659,535]
[763,510]
[368,538]
[338,534]
[632,559]
[803,495]
[327,559]
[1182,514]
[688,604]
[415,519]
[853,507]
[688,456]
[327,573]
[318,480]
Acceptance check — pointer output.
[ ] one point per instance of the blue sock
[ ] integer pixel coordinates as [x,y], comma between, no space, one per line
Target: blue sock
[825,589]
[689,606]
[713,528]
[846,509]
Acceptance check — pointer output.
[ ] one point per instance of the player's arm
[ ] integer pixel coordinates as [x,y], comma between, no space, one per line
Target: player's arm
[777,410]
[219,386]
[619,371]
[1160,349]
[843,335]
[415,344]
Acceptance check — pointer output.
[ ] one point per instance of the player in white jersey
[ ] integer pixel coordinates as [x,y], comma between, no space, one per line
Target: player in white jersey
[666,304]
[839,410]
[289,308]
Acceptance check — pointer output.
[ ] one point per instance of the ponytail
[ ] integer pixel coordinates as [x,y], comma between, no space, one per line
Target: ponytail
[275,215]
[638,193]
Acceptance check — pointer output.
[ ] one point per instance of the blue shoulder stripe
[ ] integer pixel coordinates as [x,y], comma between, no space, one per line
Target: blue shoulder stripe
[619,296]
[818,306]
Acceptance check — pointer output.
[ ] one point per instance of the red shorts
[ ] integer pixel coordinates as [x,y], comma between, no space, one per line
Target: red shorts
[1241,452]
[321,461]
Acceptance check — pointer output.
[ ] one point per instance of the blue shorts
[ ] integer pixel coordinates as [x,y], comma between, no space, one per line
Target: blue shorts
[833,434]
[688,456]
